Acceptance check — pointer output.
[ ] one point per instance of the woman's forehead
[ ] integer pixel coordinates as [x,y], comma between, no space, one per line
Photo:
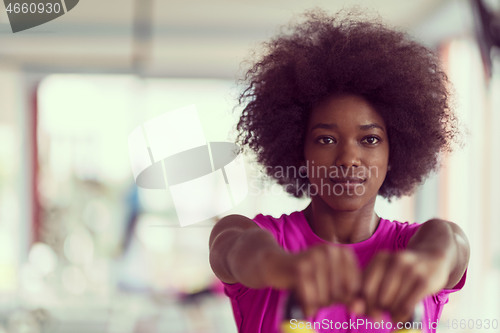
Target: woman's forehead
[344,110]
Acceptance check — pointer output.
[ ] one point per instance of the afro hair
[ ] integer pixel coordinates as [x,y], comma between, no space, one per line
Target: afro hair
[345,54]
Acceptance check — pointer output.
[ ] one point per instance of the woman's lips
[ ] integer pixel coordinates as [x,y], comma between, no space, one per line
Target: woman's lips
[350,186]
[348,180]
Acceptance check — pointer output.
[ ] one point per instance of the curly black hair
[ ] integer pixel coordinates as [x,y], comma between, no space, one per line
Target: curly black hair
[343,54]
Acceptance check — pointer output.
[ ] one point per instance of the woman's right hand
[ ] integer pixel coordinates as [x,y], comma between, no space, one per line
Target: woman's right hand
[318,277]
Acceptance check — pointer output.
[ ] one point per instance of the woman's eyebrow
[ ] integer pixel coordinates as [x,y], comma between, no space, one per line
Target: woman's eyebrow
[371,126]
[324,125]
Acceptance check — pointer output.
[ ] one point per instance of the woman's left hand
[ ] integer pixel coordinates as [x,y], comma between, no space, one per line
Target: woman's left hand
[396,282]
[436,257]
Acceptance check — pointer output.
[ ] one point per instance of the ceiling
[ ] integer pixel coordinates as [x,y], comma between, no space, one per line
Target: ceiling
[197,38]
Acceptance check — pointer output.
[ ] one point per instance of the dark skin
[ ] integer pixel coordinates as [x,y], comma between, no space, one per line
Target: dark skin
[348,137]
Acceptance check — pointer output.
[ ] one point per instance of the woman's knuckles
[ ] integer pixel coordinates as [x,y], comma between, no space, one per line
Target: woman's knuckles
[334,285]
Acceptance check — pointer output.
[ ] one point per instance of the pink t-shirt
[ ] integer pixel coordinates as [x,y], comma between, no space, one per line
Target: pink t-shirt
[262,310]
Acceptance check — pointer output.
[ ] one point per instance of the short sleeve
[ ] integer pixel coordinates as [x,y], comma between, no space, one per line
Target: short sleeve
[233,290]
[405,233]
[442,296]
[274,226]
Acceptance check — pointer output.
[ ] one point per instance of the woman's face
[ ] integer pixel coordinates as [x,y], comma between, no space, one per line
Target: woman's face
[346,152]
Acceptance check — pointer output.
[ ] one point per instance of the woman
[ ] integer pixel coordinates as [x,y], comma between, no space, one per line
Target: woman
[358,110]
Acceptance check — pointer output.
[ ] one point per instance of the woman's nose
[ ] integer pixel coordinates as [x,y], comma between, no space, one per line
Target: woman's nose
[347,155]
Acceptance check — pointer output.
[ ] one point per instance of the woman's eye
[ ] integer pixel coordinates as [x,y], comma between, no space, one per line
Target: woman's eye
[371,140]
[326,140]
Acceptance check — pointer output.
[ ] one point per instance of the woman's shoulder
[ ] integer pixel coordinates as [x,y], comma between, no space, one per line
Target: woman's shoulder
[276,224]
[290,230]
[398,233]
[398,225]
[283,218]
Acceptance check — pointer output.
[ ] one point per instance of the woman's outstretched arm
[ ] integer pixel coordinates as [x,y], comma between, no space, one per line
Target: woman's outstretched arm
[436,258]
[242,252]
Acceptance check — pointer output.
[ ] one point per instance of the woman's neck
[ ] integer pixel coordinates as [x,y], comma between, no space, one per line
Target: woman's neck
[344,227]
